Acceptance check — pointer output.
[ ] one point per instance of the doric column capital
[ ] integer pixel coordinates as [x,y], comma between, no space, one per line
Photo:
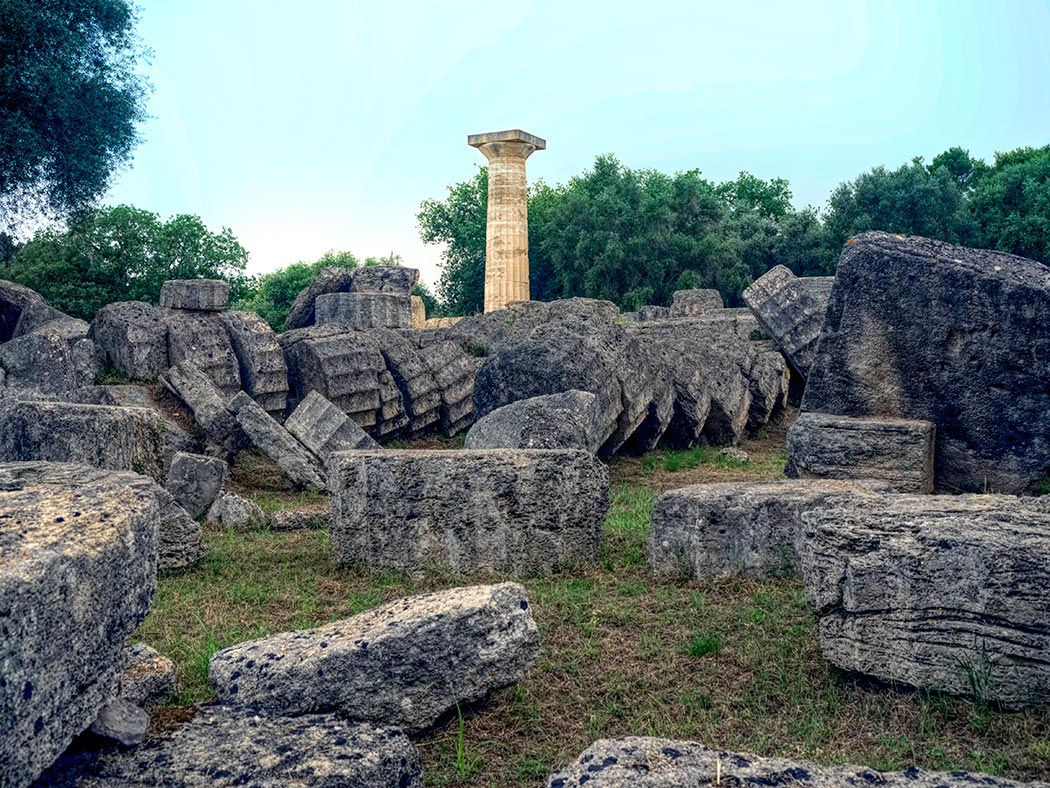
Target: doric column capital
[513,143]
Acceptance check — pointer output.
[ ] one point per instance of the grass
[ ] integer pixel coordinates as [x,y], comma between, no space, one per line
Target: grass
[733,663]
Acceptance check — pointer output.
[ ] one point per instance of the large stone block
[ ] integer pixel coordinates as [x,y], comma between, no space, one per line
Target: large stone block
[324,429]
[404,664]
[39,313]
[206,295]
[395,279]
[945,593]
[102,436]
[78,574]
[454,372]
[769,382]
[898,451]
[688,303]
[298,464]
[642,762]
[201,340]
[180,541]
[752,529]
[14,299]
[189,383]
[263,372]
[225,748]
[520,512]
[553,421]
[364,310]
[789,314]
[329,280]
[919,329]
[419,313]
[42,363]
[195,481]
[420,391]
[133,339]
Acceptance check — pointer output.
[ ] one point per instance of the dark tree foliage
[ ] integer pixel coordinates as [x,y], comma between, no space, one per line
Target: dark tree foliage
[1010,204]
[69,102]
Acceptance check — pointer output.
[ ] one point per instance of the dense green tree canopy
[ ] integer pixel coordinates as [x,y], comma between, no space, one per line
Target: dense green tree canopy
[70,100]
[123,254]
[1010,204]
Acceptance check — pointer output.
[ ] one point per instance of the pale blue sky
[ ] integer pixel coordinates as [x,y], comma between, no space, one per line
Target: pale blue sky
[323,125]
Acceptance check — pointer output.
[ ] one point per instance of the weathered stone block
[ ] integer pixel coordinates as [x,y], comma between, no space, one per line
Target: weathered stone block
[301,519]
[898,451]
[391,417]
[133,339]
[769,382]
[209,295]
[180,542]
[39,314]
[364,310]
[419,313]
[41,363]
[687,303]
[275,442]
[329,280]
[225,748]
[14,299]
[641,762]
[520,512]
[395,279]
[454,372]
[420,391]
[405,663]
[324,429]
[148,677]
[650,312]
[553,421]
[919,329]
[263,372]
[789,314]
[195,481]
[231,510]
[121,722]
[739,528]
[78,575]
[946,593]
[189,383]
[112,438]
[202,341]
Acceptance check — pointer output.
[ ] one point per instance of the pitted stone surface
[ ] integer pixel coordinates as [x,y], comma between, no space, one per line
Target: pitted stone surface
[898,451]
[298,464]
[738,528]
[14,299]
[180,541]
[769,382]
[329,280]
[224,748]
[78,570]
[148,677]
[509,511]
[640,762]
[395,279]
[420,391]
[553,421]
[102,436]
[201,340]
[209,295]
[44,363]
[324,429]
[789,313]
[132,338]
[454,372]
[919,329]
[264,375]
[364,310]
[687,303]
[403,664]
[189,383]
[195,481]
[940,592]
[391,418]
[231,510]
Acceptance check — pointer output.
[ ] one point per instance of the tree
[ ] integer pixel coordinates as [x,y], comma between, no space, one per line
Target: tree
[1010,204]
[124,253]
[70,100]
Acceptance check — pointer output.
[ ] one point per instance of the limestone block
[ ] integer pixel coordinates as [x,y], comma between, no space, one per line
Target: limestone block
[121,722]
[945,593]
[195,481]
[275,442]
[201,340]
[404,664]
[419,313]
[312,518]
[420,391]
[78,574]
[553,421]
[364,310]
[263,372]
[501,511]
[189,383]
[687,303]
[441,322]
[324,429]
[329,280]
[738,528]
[791,316]
[392,417]
[133,339]
[454,372]
[769,382]
[41,363]
[180,542]
[231,510]
[148,677]
[898,451]
[650,312]
[393,279]
[207,295]
[15,298]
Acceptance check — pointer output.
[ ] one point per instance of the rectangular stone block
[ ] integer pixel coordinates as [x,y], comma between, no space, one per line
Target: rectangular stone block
[789,313]
[208,295]
[752,529]
[687,303]
[898,451]
[364,310]
[498,511]
[324,429]
[275,441]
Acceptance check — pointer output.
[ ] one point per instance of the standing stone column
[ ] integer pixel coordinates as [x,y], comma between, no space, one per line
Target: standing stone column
[507,229]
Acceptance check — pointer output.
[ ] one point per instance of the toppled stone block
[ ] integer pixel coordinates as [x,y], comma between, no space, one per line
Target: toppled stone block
[40,316]
[202,341]
[132,338]
[789,314]
[148,677]
[391,418]
[643,762]
[180,541]
[330,280]
[206,295]
[404,664]
[420,391]
[454,372]
[324,429]
[78,574]
[14,299]
[195,481]
[688,303]
[224,748]
[769,382]
[275,442]
[189,383]
[263,373]
[944,593]
[42,363]
[506,511]
[121,722]
[125,396]
[364,310]
[553,421]
[231,510]
[898,451]
[919,329]
[395,279]
[751,529]
[111,438]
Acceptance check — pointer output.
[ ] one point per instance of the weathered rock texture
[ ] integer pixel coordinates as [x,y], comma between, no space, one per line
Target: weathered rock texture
[364,310]
[195,481]
[943,593]
[231,510]
[208,295]
[687,303]
[227,748]
[44,363]
[263,373]
[112,438]
[397,280]
[133,339]
[14,299]
[201,340]
[898,451]
[521,512]
[298,464]
[189,383]
[789,313]
[121,722]
[403,664]
[918,329]
[148,677]
[78,574]
[738,528]
[419,313]
[324,429]
[454,372]
[419,389]
[179,538]
[640,762]
[553,421]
